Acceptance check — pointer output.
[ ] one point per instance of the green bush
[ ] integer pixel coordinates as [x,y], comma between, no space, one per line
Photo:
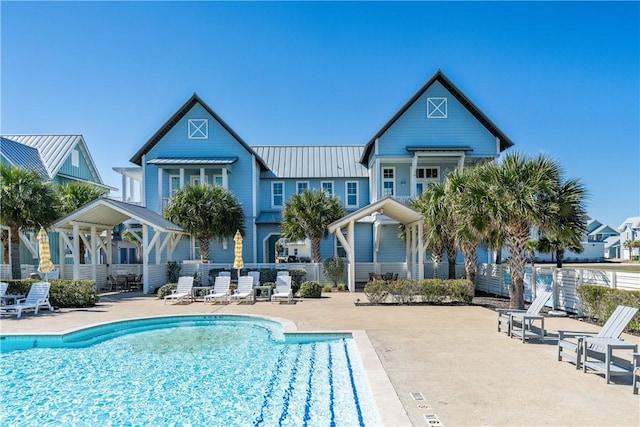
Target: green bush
[311,289]
[173,271]
[341,287]
[62,293]
[376,291]
[327,288]
[599,302]
[298,277]
[165,290]
[459,290]
[402,291]
[334,268]
[430,290]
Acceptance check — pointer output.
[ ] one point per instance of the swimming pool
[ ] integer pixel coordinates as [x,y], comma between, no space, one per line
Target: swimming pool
[185,370]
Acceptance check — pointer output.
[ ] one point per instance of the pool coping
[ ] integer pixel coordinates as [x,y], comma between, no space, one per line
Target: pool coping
[383,393]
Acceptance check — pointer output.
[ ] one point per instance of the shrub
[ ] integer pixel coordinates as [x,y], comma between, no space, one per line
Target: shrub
[298,277]
[430,290]
[599,302]
[311,289]
[402,291]
[334,268]
[62,293]
[327,288]
[341,287]
[376,291]
[459,290]
[165,290]
[173,271]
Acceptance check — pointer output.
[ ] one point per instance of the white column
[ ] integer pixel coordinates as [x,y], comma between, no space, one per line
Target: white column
[145,258]
[61,251]
[225,179]
[421,250]
[160,193]
[414,167]
[76,252]
[131,197]
[351,275]
[124,187]
[95,251]
[203,177]
[461,162]
[181,178]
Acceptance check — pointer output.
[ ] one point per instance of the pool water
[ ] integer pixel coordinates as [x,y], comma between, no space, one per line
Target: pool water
[221,372]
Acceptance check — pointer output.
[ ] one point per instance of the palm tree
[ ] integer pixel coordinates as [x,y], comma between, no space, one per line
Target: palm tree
[439,223]
[516,195]
[532,247]
[206,212]
[307,215]
[73,196]
[28,203]
[135,236]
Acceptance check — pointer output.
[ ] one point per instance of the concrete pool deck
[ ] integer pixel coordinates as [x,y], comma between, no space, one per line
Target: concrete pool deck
[468,373]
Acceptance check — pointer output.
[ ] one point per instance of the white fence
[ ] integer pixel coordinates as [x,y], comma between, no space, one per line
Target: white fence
[495,279]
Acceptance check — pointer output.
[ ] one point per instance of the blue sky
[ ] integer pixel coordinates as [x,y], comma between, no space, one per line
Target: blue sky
[560,78]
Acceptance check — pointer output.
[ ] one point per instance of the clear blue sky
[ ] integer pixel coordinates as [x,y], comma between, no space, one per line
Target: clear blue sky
[558,78]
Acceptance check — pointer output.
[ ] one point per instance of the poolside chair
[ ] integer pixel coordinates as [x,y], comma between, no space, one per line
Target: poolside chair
[244,290]
[282,273]
[572,345]
[520,322]
[220,290]
[3,288]
[224,274]
[183,290]
[37,298]
[256,277]
[283,289]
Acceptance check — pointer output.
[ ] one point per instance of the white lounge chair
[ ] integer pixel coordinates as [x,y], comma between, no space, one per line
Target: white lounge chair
[283,289]
[3,288]
[183,290]
[220,290]
[37,298]
[519,322]
[256,277]
[282,273]
[574,345]
[244,290]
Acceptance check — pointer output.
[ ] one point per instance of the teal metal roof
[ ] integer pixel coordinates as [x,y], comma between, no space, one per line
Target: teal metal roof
[313,161]
[22,156]
[269,218]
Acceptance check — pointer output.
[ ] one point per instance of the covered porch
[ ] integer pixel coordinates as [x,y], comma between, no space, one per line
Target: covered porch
[395,210]
[94,223]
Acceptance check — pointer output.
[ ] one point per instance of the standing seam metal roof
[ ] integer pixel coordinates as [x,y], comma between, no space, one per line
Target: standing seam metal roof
[23,156]
[314,161]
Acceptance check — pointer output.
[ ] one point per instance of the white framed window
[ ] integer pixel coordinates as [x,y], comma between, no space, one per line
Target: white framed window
[217,180]
[198,128]
[75,158]
[426,176]
[301,186]
[277,194]
[351,192]
[174,184]
[340,250]
[437,108]
[327,186]
[388,181]
[195,179]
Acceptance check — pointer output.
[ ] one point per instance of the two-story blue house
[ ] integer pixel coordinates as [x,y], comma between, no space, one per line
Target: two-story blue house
[437,130]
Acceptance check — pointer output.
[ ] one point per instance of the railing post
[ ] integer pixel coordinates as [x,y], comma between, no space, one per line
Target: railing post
[614,279]
[554,287]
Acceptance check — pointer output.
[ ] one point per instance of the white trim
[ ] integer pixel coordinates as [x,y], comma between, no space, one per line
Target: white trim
[198,129]
[346,194]
[384,180]
[171,189]
[302,182]
[75,158]
[265,241]
[333,187]
[254,207]
[437,107]
[273,205]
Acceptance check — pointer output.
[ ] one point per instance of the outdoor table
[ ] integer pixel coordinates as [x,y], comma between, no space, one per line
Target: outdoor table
[5,298]
[263,290]
[195,291]
[607,367]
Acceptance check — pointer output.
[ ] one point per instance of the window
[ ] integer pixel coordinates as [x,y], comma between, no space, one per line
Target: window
[217,180]
[436,108]
[352,193]
[340,251]
[426,176]
[174,184]
[277,194]
[75,158]
[388,181]
[327,186]
[195,179]
[198,129]
[301,186]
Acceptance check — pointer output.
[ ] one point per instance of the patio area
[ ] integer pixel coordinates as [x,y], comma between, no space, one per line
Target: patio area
[468,373]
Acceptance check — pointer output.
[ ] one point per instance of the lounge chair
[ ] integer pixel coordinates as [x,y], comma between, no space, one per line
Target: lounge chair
[244,290]
[220,290]
[282,273]
[38,297]
[183,290]
[636,372]
[283,289]
[574,345]
[520,322]
[256,277]
[3,288]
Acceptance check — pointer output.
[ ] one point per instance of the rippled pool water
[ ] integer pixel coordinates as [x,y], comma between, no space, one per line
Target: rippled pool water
[218,372]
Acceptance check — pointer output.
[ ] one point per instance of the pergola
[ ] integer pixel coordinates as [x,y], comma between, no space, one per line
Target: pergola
[94,222]
[390,207]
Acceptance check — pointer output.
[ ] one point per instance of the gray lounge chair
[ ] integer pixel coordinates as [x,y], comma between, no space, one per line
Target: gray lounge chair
[520,322]
[574,345]
[38,297]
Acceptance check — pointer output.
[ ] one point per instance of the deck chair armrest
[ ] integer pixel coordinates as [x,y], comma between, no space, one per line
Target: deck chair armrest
[573,334]
[509,310]
[527,316]
[20,300]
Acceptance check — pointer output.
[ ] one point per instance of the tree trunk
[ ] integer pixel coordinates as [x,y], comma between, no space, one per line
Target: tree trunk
[315,248]
[517,244]
[16,273]
[470,261]
[559,257]
[5,245]
[204,248]
[451,259]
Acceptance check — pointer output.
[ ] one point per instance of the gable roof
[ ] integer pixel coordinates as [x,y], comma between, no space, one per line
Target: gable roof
[22,156]
[388,206]
[631,222]
[505,142]
[105,214]
[313,161]
[173,120]
[54,150]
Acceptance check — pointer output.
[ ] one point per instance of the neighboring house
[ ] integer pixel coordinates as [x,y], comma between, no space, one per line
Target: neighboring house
[438,130]
[58,158]
[629,231]
[601,233]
